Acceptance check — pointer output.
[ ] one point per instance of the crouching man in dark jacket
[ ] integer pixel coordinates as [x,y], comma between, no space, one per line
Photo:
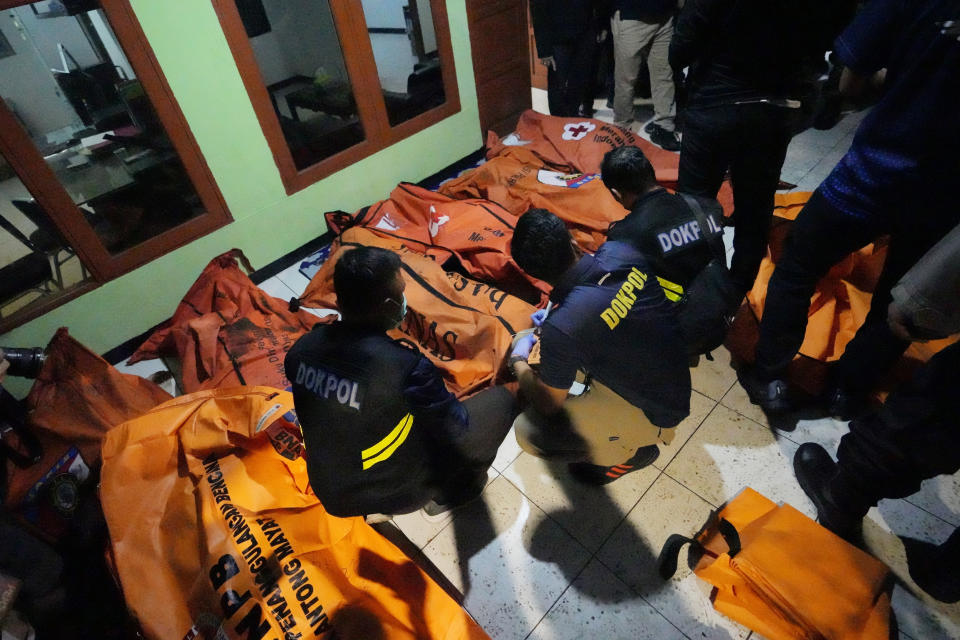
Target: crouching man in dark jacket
[382,433]
[612,329]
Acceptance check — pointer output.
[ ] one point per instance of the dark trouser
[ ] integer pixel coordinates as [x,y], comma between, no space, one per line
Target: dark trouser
[913,437]
[822,236]
[751,141]
[491,413]
[568,84]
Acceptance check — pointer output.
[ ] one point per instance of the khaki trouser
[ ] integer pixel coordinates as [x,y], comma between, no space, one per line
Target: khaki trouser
[597,426]
[630,40]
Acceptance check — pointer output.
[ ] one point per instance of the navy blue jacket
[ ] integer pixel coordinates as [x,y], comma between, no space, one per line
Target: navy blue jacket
[613,322]
[380,428]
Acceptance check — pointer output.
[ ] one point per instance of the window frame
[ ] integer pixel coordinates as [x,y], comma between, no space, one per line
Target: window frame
[351,26]
[25,159]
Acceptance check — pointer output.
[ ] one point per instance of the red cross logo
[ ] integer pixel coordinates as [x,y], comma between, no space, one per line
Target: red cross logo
[577,130]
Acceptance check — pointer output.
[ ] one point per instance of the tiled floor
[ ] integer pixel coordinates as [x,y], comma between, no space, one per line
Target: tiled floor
[545,558]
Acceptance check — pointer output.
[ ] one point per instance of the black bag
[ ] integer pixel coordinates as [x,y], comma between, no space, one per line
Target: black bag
[712,297]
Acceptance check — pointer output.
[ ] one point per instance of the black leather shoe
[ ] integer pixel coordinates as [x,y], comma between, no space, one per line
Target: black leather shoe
[934,567]
[845,405]
[669,140]
[771,395]
[815,469]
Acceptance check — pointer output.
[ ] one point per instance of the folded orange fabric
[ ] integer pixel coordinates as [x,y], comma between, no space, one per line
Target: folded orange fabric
[786,577]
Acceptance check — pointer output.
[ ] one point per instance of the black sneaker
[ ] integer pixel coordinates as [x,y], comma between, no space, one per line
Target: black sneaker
[669,140]
[815,469]
[599,475]
[771,395]
[934,567]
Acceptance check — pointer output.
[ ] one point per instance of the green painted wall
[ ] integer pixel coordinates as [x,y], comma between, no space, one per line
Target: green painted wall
[192,50]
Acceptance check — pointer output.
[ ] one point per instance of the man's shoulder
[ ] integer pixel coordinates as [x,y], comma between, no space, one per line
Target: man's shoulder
[658,209]
[576,309]
[321,337]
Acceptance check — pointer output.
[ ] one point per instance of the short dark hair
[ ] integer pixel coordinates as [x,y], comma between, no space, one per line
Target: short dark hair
[626,169]
[362,279]
[541,245]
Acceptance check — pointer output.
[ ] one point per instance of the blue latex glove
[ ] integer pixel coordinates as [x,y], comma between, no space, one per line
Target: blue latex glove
[523,346]
[538,317]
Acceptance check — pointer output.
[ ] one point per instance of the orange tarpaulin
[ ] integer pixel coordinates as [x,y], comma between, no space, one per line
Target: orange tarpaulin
[477,232]
[75,400]
[463,326]
[217,534]
[227,331]
[579,144]
[842,299]
[838,307]
[519,181]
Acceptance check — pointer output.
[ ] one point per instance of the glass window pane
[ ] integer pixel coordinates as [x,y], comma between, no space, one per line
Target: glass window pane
[35,260]
[297,48]
[408,62]
[73,89]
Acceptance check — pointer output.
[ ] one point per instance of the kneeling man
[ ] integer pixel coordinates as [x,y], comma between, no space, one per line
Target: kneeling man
[612,326]
[382,433]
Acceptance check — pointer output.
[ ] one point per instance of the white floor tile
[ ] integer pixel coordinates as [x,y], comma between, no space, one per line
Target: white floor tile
[919,615]
[714,378]
[420,530]
[598,605]
[728,238]
[539,100]
[729,452]
[509,559]
[700,408]
[145,368]
[320,313]
[824,431]
[508,452]
[551,487]
[275,287]
[295,280]
[941,497]
[817,139]
[916,619]
[631,553]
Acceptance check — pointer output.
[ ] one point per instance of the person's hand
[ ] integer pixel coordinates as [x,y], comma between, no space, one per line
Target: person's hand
[549,62]
[521,350]
[601,36]
[899,324]
[5,364]
[538,317]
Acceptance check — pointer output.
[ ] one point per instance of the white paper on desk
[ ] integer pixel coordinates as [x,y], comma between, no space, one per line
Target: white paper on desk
[94,140]
[576,389]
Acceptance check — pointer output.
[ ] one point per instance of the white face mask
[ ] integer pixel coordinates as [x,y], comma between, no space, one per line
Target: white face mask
[403,310]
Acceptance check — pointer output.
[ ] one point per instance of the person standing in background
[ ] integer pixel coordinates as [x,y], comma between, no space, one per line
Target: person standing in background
[567,34]
[748,64]
[897,178]
[644,28]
